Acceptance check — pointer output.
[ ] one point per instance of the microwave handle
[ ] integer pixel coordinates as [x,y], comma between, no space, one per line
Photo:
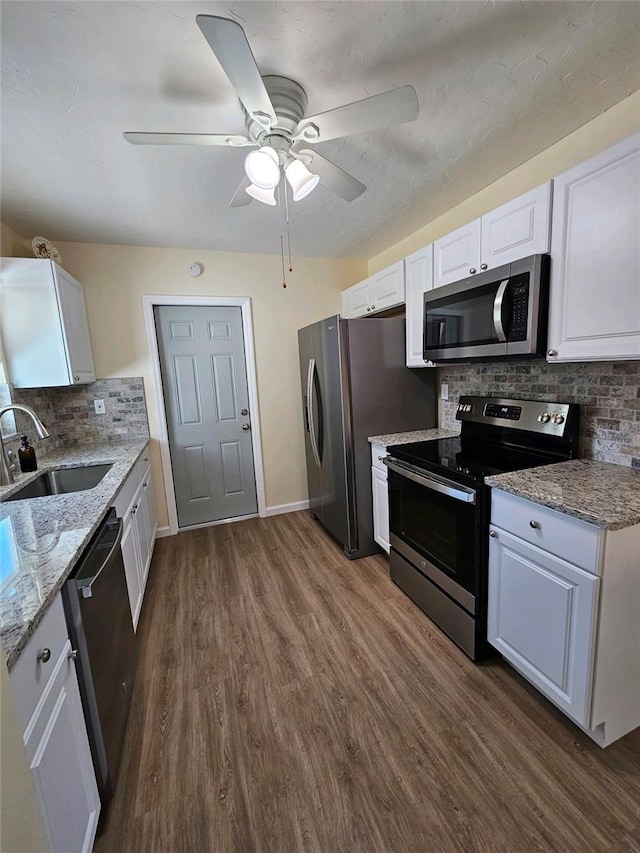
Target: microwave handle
[497,311]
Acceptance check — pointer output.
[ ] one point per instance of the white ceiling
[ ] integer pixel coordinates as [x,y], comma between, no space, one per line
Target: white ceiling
[497,83]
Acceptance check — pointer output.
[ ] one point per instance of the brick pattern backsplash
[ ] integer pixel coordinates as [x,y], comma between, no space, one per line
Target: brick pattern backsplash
[608,394]
[70,416]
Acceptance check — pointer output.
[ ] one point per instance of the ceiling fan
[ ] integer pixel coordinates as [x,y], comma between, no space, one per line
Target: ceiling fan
[277,126]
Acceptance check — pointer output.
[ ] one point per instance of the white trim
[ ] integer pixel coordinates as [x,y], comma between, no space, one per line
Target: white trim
[161,532]
[219,521]
[279,509]
[244,303]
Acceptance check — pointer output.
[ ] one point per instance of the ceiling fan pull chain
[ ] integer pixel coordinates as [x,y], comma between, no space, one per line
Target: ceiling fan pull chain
[280,213]
[286,209]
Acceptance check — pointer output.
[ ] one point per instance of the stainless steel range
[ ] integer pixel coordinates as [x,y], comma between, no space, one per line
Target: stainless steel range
[439,505]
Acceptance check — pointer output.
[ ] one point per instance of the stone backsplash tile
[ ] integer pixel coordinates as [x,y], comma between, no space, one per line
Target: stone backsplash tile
[608,394]
[70,416]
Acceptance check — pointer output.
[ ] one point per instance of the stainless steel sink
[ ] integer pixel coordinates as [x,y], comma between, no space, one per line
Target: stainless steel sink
[62,481]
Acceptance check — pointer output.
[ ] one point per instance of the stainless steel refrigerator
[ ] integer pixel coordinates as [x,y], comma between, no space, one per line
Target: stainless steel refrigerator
[355,384]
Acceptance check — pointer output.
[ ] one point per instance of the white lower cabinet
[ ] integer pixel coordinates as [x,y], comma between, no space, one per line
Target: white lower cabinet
[571,630]
[542,620]
[380,493]
[135,503]
[55,736]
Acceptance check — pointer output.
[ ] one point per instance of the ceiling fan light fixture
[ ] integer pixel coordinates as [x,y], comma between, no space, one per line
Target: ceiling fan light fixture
[300,179]
[263,168]
[266,196]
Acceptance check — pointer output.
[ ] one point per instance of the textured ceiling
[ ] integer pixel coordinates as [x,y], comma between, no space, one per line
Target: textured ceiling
[497,83]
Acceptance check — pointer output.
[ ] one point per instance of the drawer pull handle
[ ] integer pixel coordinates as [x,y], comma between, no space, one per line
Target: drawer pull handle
[493,534]
[44,656]
[535,524]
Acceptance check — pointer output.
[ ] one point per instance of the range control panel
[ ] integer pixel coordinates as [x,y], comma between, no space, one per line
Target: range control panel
[532,415]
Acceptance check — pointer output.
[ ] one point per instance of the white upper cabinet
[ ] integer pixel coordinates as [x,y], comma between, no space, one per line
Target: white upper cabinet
[356,300]
[384,289]
[517,229]
[457,255]
[418,271]
[595,273]
[43,325]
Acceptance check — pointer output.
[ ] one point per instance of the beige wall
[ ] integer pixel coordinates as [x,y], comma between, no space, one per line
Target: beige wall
[604,130]
[20,823]
[12,245]
[116,277]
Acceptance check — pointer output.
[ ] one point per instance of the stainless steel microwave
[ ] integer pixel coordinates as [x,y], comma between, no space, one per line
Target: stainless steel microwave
[496,314]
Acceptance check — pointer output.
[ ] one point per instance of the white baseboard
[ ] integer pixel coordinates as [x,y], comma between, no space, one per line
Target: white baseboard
[279,509]
[161,532]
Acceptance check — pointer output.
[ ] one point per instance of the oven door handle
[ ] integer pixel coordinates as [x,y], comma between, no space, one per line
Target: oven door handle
[430,481]
[497,311]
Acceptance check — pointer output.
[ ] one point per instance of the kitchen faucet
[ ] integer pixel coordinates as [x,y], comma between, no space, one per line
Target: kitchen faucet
[6,474]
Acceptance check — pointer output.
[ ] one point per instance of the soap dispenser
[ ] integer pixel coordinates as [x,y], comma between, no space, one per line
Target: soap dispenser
[27,456]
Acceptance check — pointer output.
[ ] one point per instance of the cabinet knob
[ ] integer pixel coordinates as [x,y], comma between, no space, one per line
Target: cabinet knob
[44,656]
[472,271]
[483,266]
[368,308]
[146,459]
[535,524]
[145,485]
[76,379]
[493,534]
[373,307]
[133,509]
[552,352]
[73,654]
[380,458]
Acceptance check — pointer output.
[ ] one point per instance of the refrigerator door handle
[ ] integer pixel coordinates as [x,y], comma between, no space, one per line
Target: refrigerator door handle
[312,425]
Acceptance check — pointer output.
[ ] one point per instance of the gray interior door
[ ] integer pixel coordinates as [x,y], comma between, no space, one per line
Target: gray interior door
[204,377]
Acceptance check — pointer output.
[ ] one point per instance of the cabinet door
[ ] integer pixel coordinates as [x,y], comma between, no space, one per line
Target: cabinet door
[517,229]
[356,301]
[595,275]
[542,618]
[380,508]
[61,764]
[418,279]
[151,517]
[386,288]
[141,515]
[131,558]
[457,255]
[74,327]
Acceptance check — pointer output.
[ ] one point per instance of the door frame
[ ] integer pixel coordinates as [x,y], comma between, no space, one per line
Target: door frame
[244,303]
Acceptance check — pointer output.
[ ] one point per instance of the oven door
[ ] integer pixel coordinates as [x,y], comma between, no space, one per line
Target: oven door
[435,524]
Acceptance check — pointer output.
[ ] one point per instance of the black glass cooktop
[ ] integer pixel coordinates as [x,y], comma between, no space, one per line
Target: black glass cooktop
[469,458]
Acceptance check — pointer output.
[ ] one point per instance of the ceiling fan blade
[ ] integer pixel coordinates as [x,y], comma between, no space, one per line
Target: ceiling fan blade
[230,140]
[241,197]
[332,176]
[388,108]
[229,43]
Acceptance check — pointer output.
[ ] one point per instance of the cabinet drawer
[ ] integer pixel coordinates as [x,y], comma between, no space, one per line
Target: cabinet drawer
[30,676]
[575,541]
[378,452]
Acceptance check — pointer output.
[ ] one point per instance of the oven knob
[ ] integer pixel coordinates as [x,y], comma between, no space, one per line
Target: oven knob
[558,419]
[544,417]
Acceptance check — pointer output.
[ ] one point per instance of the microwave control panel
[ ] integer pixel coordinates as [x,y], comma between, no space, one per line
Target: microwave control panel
[519,308]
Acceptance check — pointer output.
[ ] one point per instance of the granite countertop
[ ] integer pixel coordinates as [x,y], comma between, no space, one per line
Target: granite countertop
[598,492]
[410,437]
[42,538]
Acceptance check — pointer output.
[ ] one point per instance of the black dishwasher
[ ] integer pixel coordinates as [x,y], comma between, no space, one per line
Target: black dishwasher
[96,604]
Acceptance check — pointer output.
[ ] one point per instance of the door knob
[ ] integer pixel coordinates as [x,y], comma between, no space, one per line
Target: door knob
[244,412]
[246,426]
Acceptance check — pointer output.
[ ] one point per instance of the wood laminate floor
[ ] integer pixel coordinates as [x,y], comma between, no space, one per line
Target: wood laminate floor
[290,700]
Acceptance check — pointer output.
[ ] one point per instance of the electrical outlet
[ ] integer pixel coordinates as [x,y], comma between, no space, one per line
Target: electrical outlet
[98,405]
[444,391]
